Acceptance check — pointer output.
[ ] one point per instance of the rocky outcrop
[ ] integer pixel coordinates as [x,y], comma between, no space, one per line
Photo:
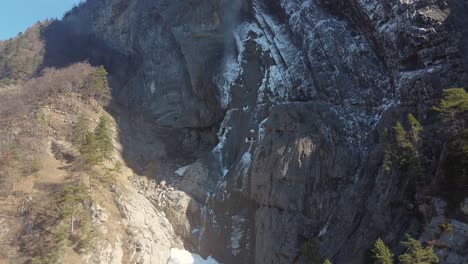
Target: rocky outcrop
[303,148]
[301,90]
[139,233]
[151,234]
[449,237]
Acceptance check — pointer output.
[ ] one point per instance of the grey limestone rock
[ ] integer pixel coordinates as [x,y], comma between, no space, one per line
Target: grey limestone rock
[301,91]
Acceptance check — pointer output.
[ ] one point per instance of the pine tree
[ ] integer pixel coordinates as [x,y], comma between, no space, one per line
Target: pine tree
[70,203]
[90,151]
[416,253]
[100,85]
[454,102]
[453,109]
[80,130]
[104,137]
[388,153]
[415,127]
[400,135]
[406,151]
[381,253]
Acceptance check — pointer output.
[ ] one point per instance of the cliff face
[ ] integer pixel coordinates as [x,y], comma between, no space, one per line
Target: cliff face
[301,91]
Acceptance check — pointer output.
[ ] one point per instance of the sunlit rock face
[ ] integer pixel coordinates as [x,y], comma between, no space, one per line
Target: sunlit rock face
[301,91]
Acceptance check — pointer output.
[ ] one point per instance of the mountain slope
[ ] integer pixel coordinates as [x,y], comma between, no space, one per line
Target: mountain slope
[21,56]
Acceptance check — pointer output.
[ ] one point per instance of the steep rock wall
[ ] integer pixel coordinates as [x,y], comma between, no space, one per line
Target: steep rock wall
[303,147]
[306,88]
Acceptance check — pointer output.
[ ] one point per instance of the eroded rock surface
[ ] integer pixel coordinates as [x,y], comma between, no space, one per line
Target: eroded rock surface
[301,91]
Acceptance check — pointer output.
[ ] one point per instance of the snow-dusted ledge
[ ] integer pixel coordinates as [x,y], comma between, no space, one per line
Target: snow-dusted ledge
[181,256]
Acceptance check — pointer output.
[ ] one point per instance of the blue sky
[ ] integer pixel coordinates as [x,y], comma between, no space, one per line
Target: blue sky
[17,15]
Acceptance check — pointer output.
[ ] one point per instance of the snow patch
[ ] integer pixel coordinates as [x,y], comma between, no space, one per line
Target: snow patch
[246,160]
[181,256]
[324,229]
[231,72]
[181,171]
[236,233]
[222,136]
[261,129]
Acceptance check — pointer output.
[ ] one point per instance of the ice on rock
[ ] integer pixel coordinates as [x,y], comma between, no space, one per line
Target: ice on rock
[231,72]
[246,160]
[261,129]
[222,136]
[181,171]
[236,233]
[324,230]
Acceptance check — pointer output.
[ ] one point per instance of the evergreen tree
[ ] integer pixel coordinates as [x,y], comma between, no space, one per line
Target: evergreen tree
[99,84]
[404,148]
[453,109]
[388,152]
[90,151]
[104,137]
[400,135]
[416,253]
[455,101]
[70,203]
[415,128]
[80,130]
[381,253]
[455,167]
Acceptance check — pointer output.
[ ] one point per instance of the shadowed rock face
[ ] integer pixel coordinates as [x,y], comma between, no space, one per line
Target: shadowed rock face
[166,56]
[302,91]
